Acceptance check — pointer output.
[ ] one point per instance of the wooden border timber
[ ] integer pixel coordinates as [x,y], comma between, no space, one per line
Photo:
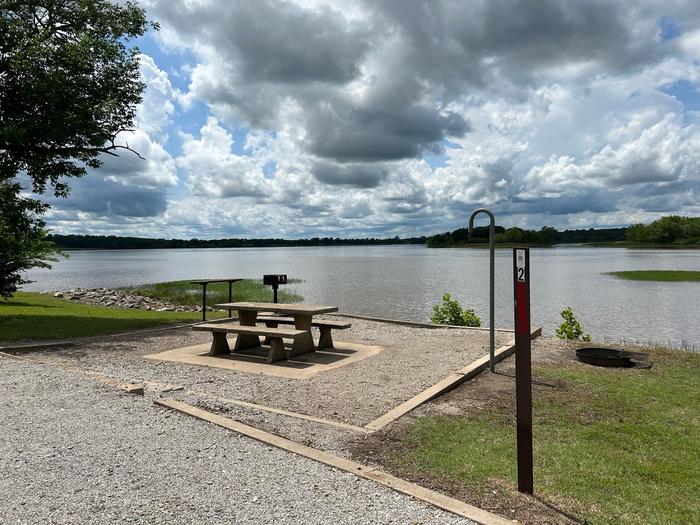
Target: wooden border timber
[416,324]
[306,417]
[416,491]
[446,384]
[37,347]
[65,343]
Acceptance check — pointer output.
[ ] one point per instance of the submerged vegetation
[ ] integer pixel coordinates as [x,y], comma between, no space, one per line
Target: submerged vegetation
[185,293]
[658,275]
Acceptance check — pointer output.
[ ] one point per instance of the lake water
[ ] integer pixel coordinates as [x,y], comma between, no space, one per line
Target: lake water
[403,282]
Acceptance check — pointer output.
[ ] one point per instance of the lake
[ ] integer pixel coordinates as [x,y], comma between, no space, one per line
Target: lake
[404,282]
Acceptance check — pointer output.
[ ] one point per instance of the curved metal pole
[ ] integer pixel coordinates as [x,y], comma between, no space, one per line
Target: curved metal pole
[492,247]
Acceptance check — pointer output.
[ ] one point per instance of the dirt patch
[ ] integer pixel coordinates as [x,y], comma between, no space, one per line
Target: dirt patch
[493,393]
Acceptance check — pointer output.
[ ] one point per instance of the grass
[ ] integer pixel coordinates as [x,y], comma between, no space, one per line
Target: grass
[612,446]
[182,292]
[658,275]
[43,317]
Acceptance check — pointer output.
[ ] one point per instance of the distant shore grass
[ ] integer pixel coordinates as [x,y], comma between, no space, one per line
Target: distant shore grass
[35,316]
[658,275]
[185,293]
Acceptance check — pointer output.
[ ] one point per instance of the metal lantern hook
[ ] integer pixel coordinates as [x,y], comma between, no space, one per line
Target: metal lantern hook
[492,248]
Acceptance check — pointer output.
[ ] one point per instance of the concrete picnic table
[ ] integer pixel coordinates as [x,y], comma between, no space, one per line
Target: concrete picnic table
[303,317]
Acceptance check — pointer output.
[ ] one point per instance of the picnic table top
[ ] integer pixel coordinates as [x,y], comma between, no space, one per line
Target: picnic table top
[207,281]
[293,308]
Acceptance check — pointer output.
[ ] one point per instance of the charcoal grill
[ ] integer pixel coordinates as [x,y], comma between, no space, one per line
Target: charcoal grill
[274,280]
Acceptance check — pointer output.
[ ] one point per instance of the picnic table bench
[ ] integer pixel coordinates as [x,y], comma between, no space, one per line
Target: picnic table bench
[324,326]
[220,345]
[248,334]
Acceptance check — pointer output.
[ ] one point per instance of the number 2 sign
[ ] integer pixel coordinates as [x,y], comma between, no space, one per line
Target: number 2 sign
[520,265]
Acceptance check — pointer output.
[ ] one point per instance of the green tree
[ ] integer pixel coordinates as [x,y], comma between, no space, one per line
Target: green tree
[571,329]
[69,87]
[23,243]
[450,312]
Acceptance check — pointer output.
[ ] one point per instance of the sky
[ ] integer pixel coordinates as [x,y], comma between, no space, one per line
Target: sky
[364,118]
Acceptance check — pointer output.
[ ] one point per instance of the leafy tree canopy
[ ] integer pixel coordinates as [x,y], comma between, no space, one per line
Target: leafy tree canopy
[68,86]
[23,243]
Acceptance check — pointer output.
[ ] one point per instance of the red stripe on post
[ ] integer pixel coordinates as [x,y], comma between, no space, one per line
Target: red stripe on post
[523,315]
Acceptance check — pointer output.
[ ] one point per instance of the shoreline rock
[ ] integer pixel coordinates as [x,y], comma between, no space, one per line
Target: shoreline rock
[120,299]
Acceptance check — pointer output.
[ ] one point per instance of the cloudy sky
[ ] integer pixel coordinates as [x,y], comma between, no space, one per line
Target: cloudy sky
[380,118]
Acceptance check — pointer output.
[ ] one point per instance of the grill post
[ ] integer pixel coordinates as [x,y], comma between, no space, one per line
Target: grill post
[204,301]
[274,280]
[230,296]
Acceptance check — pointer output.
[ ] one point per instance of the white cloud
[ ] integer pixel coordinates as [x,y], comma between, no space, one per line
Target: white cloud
[551,112]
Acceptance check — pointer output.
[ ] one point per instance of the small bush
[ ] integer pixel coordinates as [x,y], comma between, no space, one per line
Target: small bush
[451,312]
[571,329]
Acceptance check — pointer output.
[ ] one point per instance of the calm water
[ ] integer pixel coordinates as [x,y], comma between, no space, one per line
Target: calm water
[404,282]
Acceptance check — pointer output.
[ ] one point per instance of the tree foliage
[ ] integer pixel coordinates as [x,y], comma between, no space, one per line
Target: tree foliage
[23,243]
[571,328]
[672,229]
[69,87]
[450,312]
[480,235]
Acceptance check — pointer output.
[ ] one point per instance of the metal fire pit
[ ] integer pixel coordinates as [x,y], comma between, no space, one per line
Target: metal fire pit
[612,357]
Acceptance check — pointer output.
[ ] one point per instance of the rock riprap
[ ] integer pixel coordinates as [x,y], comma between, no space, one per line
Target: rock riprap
[121,299]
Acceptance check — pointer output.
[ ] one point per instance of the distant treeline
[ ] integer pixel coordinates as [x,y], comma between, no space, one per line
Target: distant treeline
[671,230]
[667,230]
[111,242]
[546,235]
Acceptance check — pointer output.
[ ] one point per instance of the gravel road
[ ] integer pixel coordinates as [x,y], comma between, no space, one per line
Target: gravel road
[75,451]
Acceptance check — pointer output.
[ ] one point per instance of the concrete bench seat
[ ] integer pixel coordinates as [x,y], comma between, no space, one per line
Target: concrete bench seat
[248,337]
[324,326]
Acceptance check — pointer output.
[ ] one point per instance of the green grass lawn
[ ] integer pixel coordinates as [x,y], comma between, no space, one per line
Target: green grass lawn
[611,445]
[42,317]
[182,292]
[38,316]
[658,275]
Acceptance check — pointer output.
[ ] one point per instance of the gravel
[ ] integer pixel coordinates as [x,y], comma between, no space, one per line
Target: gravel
[75,451]
[413,359]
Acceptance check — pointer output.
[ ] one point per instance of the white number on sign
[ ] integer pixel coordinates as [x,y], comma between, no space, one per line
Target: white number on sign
[520,265]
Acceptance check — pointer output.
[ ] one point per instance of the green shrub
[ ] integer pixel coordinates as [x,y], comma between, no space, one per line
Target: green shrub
[451,312]
[571,329]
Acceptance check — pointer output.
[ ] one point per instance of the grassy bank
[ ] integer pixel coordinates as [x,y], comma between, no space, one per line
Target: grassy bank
[658,275]
[182,292]
[37,316]
[611,445]
[42,317]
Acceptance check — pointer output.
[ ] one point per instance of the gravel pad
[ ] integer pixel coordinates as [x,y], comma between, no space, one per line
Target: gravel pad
[413,360]
[74,451]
